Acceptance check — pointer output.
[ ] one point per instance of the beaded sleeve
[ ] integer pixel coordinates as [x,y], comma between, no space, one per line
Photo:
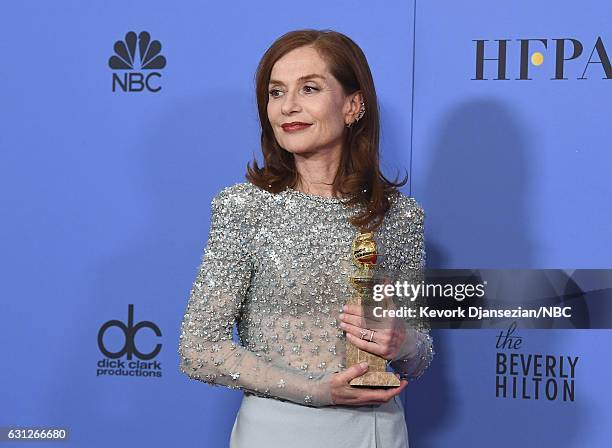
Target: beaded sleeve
[416,352]
[207,350]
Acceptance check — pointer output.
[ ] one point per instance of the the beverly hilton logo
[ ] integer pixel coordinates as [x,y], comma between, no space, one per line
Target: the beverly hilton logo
[532,376]
[135,63]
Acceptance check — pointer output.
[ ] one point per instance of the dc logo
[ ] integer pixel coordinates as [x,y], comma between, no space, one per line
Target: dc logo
[129,331]
[147,58]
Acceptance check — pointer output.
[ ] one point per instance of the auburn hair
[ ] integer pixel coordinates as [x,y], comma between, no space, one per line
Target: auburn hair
[358,175]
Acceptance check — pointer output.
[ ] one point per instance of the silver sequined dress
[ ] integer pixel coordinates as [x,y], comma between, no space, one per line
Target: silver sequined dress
[278,265]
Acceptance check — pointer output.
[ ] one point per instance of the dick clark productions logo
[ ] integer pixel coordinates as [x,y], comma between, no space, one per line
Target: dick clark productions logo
[113,365]
[136,71]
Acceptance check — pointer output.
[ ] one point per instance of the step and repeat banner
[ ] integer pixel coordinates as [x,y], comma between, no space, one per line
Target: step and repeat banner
[121,121]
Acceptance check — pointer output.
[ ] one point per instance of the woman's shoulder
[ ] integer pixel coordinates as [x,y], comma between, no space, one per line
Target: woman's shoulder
[240,197]
[406,206]
[235,191]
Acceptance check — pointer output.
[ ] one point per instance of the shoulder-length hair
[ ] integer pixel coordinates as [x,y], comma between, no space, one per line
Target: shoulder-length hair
[358,174]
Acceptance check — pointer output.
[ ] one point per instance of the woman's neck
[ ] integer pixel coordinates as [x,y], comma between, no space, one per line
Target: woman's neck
[316,172]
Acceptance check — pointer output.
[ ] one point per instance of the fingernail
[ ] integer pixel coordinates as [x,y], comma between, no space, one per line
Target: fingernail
[340,316]
[363,365]
[345,308]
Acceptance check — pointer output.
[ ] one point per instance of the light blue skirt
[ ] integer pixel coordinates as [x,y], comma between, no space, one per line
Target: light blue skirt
[268,423]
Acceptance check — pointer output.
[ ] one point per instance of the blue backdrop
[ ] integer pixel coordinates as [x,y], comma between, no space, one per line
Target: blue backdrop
[107,175]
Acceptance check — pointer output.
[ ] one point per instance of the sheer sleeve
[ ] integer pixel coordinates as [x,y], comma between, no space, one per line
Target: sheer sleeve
[416,352]
[207,350]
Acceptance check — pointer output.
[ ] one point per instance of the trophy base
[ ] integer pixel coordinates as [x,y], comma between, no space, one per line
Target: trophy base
[376,379]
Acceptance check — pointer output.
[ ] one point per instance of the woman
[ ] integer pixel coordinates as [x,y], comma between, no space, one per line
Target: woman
[279,257]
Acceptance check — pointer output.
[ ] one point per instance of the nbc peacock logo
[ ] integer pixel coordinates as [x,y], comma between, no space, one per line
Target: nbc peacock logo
[136,62]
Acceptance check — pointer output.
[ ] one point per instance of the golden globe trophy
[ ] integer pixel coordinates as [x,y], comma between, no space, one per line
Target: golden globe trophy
[365,257]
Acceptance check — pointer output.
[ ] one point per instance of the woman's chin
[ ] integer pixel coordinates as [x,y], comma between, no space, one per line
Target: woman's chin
[299,151]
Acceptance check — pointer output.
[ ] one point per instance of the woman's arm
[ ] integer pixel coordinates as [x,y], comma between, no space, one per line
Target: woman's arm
[207,350]
[416,352]
[417,355]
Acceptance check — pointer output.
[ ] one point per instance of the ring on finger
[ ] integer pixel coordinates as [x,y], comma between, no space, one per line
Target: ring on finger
[363,333]
[371,335]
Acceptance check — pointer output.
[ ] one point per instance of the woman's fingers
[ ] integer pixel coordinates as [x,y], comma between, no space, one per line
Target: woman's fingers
[381,342]
[353,372]
[340,387]
[370,347]
[344,393]
[361,396]
[388,394]
[361,316]
[357,310]
[384,343]
[352,319]
[368,321]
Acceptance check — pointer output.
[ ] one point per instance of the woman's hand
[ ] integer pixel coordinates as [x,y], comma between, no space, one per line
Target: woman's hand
[387,338]
[342,393]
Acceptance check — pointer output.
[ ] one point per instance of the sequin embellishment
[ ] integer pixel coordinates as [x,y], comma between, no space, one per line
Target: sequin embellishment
[276,265]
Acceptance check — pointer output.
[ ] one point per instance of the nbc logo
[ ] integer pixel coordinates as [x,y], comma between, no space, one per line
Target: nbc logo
[137,69]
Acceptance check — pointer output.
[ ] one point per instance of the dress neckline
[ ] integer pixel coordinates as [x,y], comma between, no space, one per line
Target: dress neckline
[314,197]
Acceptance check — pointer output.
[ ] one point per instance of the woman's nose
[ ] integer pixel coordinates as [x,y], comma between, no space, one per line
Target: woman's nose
[290,103]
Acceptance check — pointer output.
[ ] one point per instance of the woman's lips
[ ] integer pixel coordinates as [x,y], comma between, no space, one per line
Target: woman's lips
[294,127]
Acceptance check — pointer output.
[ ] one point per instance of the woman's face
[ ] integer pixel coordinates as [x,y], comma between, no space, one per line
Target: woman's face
[318,100]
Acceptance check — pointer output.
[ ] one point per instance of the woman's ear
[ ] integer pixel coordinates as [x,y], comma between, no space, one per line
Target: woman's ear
[353,105]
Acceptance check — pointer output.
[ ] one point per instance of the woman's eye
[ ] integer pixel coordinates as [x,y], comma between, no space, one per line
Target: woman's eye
[273,92]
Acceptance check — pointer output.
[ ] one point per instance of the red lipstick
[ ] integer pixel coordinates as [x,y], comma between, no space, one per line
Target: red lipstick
[294,126]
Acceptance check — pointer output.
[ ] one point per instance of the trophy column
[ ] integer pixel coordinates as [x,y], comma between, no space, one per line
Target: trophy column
[365,257]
